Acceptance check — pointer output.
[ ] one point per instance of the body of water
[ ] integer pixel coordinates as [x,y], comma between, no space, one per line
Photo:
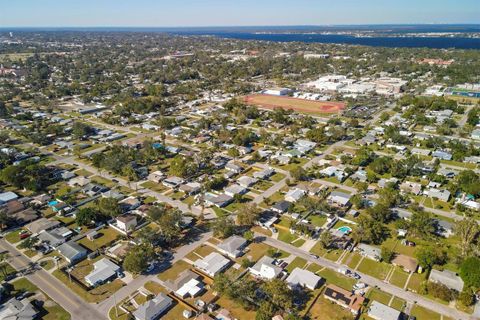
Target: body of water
[375,41]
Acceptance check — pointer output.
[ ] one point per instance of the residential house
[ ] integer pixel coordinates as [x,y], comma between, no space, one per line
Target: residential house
[379,311]
[303,278]
[126,223]
[235,168]
[187,284]
[339,198]
[14,309]
[360,175]
[212,264]
[344,298]
[152,309]
[156,176]
[72,252]
[219,200]
[369,251]
[55,237]
[172,182]
[281,206]
[103,271]
[130,203]
[42,224]
[411,187]
[264,174]
[265,269]
[233,246]
[295,194]
[191,188]
[443,195]
[235,189]
[442,155]
[408,264]
[444,228]
[7,197]
[333,171]
[448,278]
[246,181]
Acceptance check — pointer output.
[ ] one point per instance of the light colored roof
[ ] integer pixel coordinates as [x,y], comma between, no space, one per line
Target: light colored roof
[152,308]
[447,278]
[71,249]
[103,270]
[233,244]
[7,196]
[41,224]
[380,311]
[212,264]
[304,278]
[17,310]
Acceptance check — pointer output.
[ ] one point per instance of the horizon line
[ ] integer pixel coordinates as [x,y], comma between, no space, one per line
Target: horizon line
[242,26]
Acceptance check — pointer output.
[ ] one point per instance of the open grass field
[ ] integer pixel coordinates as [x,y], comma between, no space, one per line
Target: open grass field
[299,105]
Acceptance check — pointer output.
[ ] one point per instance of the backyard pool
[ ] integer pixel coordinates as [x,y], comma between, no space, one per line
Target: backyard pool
[53,203]
[345,229]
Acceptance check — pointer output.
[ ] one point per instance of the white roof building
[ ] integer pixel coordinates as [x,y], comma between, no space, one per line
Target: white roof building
[379,311]
[212,264]
[303,278]
[103,271]
[265,269]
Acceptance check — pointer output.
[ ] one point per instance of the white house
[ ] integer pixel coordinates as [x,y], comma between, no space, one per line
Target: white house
[303,278]
[127,223]
[265,269]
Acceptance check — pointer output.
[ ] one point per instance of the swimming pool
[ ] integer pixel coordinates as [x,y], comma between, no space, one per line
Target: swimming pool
[345,229]
[53,203]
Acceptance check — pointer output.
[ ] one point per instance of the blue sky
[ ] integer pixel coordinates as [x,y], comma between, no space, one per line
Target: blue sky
[58,13]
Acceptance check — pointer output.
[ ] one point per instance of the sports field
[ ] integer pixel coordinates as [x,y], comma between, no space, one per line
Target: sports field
[299,105]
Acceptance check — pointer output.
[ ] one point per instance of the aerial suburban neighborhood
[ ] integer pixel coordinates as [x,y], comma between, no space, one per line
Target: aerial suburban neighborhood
[158,175]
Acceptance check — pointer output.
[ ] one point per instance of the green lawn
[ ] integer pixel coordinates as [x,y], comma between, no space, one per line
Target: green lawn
[380,296]
[352,260]
[375,269]
[399,277]
[173,272]
[424,314]
[296,263]
[107,235]
[415,281]
[13,236]
[337,279]
[5,270]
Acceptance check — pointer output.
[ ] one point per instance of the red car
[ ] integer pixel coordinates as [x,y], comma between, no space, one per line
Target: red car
[24,235]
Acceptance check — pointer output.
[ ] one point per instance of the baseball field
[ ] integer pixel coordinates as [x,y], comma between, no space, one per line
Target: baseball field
[299,105]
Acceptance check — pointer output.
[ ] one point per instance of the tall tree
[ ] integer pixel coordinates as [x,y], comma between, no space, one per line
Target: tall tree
[467,230]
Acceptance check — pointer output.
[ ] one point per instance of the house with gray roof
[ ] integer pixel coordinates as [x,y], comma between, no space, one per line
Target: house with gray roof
[152,309]
[440,194]
[212,264]
[303,278]
[15,309]
[379,311]
[42,224]
[55,237]
[72,252]
[7,196]
[103,270]
[265,268]
[233,246]
[339,198]
[448,278]
[369,251]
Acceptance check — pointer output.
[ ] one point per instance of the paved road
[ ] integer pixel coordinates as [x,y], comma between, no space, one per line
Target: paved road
[105,306]
[372,282]
[76,306]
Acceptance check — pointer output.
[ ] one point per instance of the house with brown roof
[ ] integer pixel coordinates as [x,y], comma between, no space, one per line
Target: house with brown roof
[407,263]
[344,298]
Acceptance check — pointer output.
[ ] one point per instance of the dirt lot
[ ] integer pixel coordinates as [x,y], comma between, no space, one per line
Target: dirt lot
[299,105]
